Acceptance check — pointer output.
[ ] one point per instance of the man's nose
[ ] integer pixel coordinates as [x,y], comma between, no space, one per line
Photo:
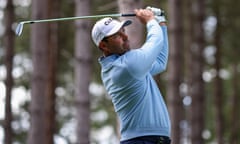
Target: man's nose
[124,36]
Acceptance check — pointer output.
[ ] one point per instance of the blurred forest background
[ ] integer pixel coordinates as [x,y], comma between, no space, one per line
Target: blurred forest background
[50,87]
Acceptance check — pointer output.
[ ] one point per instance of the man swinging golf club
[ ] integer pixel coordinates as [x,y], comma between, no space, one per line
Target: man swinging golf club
[127,75]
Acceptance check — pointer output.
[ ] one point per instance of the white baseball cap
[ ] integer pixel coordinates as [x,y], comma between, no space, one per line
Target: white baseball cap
[107,27]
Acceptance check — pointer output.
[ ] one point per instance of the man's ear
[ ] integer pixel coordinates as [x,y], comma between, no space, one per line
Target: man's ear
[103,46]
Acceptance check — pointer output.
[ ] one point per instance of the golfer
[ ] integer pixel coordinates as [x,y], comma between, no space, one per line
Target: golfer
[127,75]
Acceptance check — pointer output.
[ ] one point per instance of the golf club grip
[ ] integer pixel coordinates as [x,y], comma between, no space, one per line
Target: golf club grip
[128,15]
[132,14]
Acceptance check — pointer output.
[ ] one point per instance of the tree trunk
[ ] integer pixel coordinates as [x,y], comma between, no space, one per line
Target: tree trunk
[196,66]
[188,58]
[218,95]
[53,11]
[175,68]
[43,46]
[135,30]
[235,126]
[39,45]
[83,70]
[9,46]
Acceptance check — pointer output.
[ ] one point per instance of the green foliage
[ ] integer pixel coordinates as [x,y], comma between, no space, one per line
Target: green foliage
[103,103]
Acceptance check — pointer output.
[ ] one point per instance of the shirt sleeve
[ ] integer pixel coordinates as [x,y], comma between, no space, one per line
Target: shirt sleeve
[161,62]
[140,61]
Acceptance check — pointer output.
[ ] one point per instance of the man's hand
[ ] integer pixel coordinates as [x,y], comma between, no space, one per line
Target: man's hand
[157,14]
[144,15]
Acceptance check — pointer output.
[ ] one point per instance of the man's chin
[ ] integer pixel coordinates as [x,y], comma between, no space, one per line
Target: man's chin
[126,46]
[125,50]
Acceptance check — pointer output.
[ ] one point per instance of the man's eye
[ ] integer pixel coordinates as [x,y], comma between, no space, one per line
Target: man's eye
[116,35]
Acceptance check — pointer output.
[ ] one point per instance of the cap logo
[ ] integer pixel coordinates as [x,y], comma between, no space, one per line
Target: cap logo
[107,22]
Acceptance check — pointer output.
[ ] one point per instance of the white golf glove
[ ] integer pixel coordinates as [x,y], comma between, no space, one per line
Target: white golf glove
[157,14]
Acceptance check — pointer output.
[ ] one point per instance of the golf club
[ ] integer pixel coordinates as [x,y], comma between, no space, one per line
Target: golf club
[19,27]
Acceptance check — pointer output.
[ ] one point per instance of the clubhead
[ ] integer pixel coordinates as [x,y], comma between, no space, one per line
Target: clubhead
[19,29]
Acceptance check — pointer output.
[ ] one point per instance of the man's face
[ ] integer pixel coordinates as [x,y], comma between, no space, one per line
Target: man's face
[116,44]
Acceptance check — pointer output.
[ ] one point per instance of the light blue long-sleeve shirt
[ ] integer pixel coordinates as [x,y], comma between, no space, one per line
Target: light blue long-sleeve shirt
[135,95]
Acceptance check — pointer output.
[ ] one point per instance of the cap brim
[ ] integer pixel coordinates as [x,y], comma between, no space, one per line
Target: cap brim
[126,23]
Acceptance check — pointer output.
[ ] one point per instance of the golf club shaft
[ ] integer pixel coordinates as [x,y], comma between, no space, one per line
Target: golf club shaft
[75,18]
[70,18]
[80,17]
[19,27]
